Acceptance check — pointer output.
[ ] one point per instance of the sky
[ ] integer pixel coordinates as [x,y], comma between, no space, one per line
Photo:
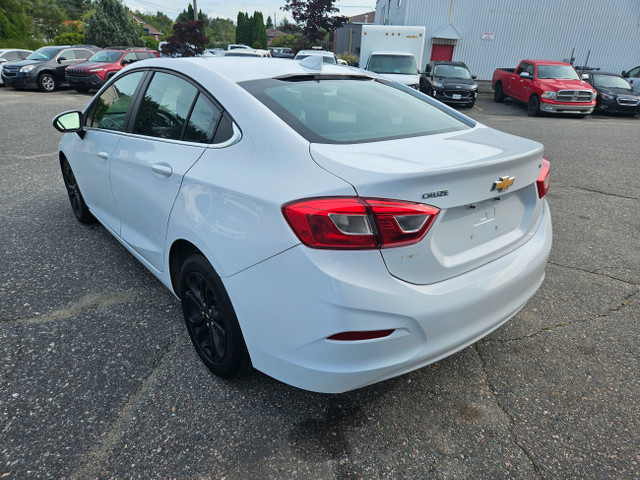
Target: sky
[230,8]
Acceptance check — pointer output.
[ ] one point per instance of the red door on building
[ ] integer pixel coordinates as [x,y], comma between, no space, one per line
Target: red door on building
[441,52]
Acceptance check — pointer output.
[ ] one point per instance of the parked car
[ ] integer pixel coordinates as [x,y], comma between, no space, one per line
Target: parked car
[92,74]
[281,52]
[11,55]
[44,68]
[328,250]
[545,86]
[242,52]
[615,94]
[238,46]
[633,77]
[327,57]
[449,82]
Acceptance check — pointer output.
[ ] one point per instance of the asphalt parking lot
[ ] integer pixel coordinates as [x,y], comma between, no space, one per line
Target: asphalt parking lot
[98,378]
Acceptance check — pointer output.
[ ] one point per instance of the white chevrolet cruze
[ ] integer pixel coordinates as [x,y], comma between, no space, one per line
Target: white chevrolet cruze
[332,228]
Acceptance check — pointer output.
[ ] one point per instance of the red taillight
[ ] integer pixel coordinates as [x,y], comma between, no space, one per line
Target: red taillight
[359,223]
[543,178]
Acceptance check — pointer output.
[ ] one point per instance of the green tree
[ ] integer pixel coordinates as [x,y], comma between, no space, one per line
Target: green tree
[222,32]
[289,41]
[314,18]
[47,19]
[14,22]
[269,23]
[242,30]
[110,25]
[187,39]
[151,43]
[259,32]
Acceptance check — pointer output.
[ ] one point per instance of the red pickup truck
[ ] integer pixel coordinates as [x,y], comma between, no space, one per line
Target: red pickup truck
[545,86]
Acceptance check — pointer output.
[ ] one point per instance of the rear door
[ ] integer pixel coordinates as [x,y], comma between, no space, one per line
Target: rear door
[149,164]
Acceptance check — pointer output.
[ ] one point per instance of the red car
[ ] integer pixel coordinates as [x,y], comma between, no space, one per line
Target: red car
[93,73]
[545,86]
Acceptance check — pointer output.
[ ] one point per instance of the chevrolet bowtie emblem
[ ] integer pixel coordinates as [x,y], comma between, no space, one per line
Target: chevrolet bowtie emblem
[503,183]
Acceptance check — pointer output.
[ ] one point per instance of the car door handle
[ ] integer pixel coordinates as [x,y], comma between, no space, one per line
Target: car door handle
[103,155]
[162,169]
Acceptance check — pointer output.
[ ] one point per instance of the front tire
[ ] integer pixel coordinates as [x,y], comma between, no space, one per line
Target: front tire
[79,207]
[211,321]
[47,83]
[533,106]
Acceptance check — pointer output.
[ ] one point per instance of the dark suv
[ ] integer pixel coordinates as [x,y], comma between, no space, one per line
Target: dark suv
[44,68]
[93,73]
[449,82]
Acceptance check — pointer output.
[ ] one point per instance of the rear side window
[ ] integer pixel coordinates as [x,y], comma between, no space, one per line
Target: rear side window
[351,110]
[110,110]
[202,121]
[165,107]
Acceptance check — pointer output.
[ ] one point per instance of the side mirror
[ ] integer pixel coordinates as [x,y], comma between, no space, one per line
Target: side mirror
[62,59]
[473,77]
[3,60]
[70,121]
[623,73]
[525,75]
[584,76]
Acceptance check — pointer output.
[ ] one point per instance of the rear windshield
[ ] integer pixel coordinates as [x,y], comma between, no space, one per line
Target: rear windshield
[352,110]
[325,58]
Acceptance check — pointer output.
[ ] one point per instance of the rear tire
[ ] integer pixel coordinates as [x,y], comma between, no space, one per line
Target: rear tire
[211,321]
[498,93]
[533,106]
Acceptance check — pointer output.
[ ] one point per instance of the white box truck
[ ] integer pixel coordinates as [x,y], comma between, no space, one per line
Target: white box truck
[393,51]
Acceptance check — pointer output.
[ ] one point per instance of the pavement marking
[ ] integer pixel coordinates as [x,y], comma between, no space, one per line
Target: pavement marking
[476,106]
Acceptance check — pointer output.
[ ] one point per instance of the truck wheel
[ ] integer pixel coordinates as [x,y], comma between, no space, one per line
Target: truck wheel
[498,94]
[533,107]
[47,82]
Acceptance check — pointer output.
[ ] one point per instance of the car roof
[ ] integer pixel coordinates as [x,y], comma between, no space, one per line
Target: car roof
[241,69]
[449,62]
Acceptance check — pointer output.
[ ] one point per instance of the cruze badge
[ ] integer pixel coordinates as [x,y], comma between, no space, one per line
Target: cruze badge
[439,193]
[504,183]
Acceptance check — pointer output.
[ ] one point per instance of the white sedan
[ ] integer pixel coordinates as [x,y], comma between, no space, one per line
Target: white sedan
[329,227]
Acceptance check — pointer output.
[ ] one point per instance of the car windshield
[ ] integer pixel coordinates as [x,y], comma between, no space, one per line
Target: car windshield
[401,64]
[452,71]
[106,56]
[43,54]
[351,110]
[610,81]
[560,72]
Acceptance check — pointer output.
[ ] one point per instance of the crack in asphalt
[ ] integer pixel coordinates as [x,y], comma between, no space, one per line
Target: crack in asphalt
[85,303]
[96,456]
[609,194]
[510,420]
[593,273]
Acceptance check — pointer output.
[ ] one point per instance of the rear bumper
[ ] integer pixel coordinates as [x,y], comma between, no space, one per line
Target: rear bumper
[288,305]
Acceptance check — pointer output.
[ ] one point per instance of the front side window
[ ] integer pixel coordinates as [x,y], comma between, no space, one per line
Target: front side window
[67,55]
[129,58]
[165,107]
[351,110]
[106,56]
[110,110]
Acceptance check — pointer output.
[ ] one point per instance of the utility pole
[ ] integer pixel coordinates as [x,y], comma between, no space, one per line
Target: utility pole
[195,9]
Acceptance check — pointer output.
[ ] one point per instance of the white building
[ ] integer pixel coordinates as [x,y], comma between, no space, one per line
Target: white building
[487,34]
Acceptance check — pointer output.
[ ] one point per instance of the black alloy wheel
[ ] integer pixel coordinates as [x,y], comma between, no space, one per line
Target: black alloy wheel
[211,320]
[78,205]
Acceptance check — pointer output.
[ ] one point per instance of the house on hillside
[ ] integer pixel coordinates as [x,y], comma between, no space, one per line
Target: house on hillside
[149,31]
